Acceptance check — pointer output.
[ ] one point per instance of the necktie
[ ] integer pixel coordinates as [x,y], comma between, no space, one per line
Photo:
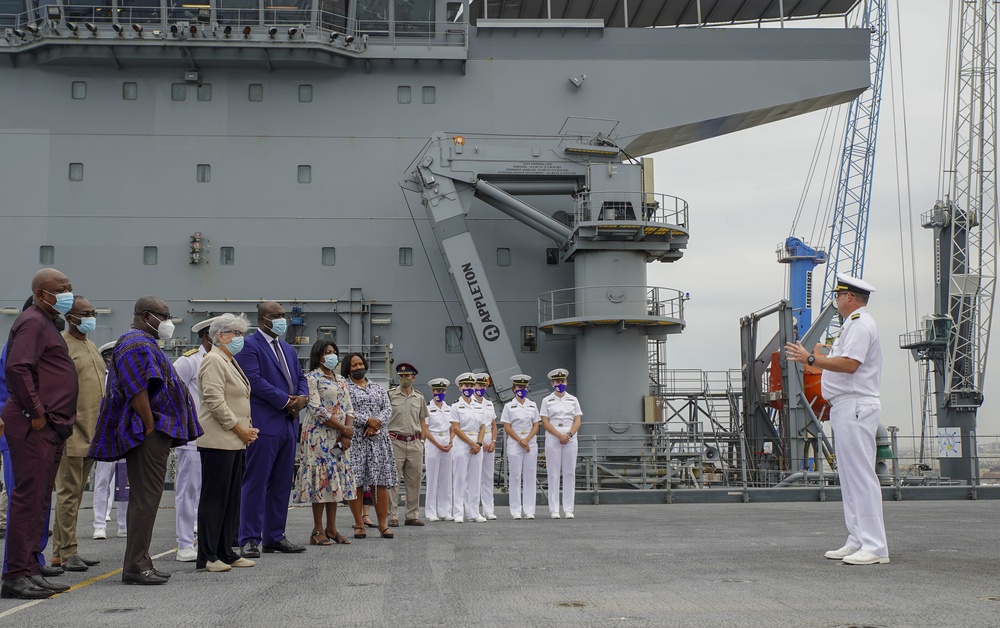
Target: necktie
[284,364]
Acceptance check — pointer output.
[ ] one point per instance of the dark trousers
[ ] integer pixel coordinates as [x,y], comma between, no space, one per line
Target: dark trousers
[34,460]
[147,466]
[267,486]
[219,505]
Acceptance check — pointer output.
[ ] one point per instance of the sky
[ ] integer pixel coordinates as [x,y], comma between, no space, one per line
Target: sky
[744,188]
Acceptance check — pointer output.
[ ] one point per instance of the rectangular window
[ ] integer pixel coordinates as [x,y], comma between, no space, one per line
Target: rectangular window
[255,92]
[503,256]
[454,11]
[46,254]
[529,339]
[130,90]
[452,339]
[79,90]
[203,174]
[178,92]
[329,256]
[405,256]
[429,95]
[305,93]
[305,174]
[76,172]
[227,255]
[149,255]
[403,95]
[552,257]
[205,92]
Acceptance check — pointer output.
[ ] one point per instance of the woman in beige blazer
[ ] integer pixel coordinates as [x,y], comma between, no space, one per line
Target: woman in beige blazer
[225,417]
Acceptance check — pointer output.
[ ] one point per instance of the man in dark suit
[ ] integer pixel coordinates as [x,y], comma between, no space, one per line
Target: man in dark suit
[278,391]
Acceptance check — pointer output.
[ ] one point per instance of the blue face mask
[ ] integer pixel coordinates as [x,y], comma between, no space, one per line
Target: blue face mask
[467,393]
[64,301]
[480,391]
[560,388]
[521,393]
[439,397]
[87,324]
[235,345]
[279,326]
[330,360]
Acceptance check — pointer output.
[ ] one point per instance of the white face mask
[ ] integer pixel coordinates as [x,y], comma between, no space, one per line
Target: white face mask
[166,328]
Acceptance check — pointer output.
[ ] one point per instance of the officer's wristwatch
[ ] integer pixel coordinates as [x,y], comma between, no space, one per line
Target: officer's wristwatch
[811,360]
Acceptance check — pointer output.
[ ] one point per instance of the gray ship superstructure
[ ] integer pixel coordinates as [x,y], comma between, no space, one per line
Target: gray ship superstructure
[226,153]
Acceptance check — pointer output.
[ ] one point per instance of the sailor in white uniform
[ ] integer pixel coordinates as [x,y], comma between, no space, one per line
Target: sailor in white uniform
[851,382]
[520,421]
[104,479]
[489,415]
[467,460]
[187,483]
[436,428]
[561,415]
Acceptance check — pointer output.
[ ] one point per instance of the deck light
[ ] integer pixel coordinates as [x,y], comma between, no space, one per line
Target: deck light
[246,32]
[227,31]
[73,28]
[53,13]
[138,29]
[292,32]
[174,30]
[31,28]
[349,40]
[118,28]
[334,36]
[17,33]
[193,30]
[91,27]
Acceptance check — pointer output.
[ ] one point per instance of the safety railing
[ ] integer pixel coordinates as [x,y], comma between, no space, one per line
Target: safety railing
[640,207]
[611,303]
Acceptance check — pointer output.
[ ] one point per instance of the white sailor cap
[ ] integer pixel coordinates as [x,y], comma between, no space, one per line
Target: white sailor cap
[846,283]
[203,325]
[439,382]
[482,378]
[107,346]
[520,379]
[558,374]
[466,378]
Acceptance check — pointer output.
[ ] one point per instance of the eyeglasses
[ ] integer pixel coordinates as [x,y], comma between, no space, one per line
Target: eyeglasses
[232,331]
[86,314]
[160,315]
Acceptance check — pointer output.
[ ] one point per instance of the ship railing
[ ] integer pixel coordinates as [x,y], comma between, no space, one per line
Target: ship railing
[611,303]
[639,207]
[311,23]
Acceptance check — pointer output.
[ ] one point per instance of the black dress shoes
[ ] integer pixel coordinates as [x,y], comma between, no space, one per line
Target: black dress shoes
[41,582]
[250,550]
[23,588]
[50,571]
[284,546]
[90,562]
[162,574]
[144,577]
[74,563]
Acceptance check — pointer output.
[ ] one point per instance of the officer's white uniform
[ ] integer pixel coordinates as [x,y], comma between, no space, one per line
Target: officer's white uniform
[560,460]
[187,482]
[521,415]
[104,477]
[489,415]
[467,468]
[854,416]
[438,500]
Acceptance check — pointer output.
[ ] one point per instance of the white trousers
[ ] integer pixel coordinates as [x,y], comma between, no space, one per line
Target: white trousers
[486,483]
[523,477]
[854,423]
[187,492]
[437,501]
[466,472]
[104,481]
[560,464]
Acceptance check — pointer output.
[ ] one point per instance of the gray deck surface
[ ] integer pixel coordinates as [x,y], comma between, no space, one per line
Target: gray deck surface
[758,564]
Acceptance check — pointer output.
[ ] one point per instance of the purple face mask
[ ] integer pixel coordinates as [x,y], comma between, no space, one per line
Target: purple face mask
[439,396]
[467,393]
[480,391]
[560,388]
[521,393]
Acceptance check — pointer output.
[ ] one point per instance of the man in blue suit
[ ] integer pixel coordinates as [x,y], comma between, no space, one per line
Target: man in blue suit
[278,391]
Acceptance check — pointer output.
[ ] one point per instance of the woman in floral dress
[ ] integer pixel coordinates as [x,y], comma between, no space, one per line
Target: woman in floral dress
[372,460]
[324,478]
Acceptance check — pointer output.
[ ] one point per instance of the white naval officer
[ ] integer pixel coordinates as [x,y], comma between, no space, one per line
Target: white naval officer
[489,418]
[467,461]
[851,382]
[561,416]
[436,428]
[520,421]
[187,482]
[104,480]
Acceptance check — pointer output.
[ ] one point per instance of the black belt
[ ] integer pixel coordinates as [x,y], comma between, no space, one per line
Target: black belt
[402,438]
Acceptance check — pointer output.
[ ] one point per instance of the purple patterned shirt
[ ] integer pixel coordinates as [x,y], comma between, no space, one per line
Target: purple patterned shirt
[138,363]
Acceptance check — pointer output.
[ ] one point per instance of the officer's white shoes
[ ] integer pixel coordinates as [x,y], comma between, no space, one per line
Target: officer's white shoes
[186,555]
[861,557]
[491,517]
[555,515]
[122,533]
[100,534]
[569,515]
[459,520]
[433,519]
[516,517]
[841,554]
[530,517]
[449,518]
[481,519]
